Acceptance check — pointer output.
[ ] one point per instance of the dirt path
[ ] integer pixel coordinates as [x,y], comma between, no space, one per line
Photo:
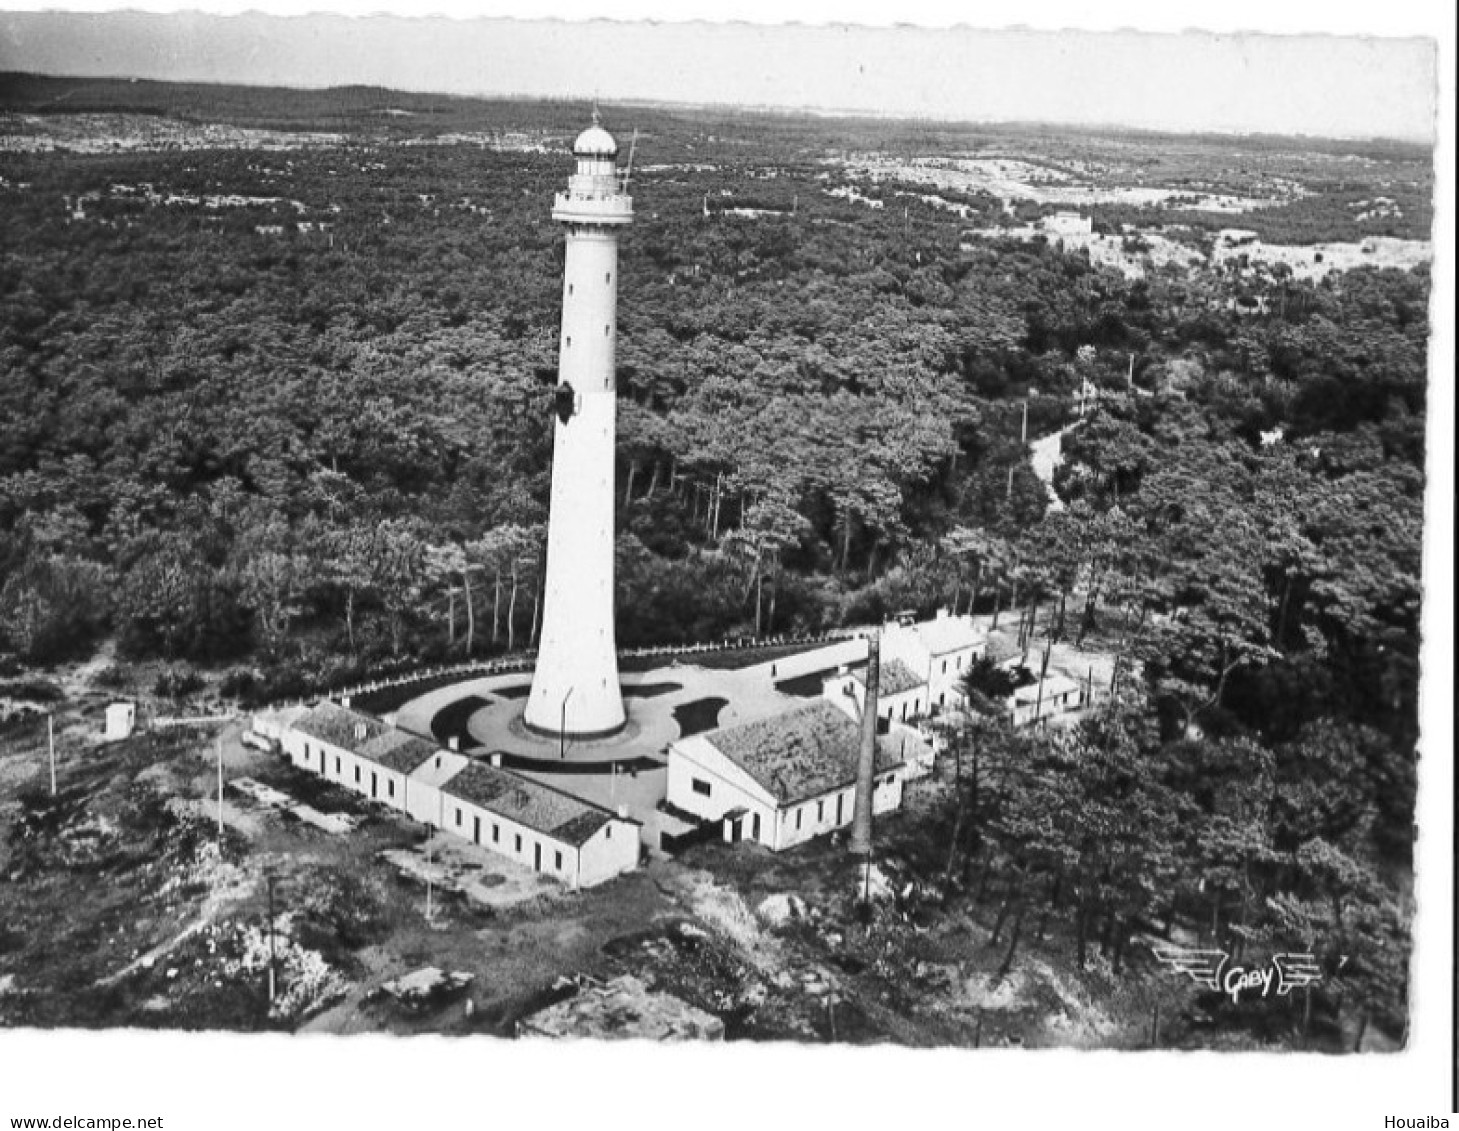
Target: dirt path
[79,682]
[150,958]
[227,884]
[1045,455]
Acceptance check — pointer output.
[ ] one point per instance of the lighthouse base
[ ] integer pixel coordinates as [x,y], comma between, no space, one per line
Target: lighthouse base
[573,735]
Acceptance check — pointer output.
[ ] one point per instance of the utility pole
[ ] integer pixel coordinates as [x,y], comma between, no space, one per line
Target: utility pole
[866,767]
[1038,702]
[430,833]
[51,737]
[272,977]
[1023,436]
[219,745]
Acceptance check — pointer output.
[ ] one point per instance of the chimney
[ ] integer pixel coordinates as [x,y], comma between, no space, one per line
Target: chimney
[453,742]
[942,613]
[866,765]
[623,812]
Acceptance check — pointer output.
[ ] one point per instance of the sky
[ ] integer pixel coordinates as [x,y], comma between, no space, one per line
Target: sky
[1316,84]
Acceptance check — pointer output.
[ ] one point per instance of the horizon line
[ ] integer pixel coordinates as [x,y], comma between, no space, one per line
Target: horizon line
[783,109]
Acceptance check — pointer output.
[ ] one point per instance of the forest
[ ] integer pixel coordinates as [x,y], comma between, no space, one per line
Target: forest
[292,437]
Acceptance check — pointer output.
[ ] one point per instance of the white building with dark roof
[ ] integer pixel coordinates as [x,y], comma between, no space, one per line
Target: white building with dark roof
[539,827]
[355,750]
[425,791]
[901,692]
[783,779]
[939,651]
[1055,695]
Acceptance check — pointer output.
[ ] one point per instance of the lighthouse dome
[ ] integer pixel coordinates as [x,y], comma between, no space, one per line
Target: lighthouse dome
[595,141]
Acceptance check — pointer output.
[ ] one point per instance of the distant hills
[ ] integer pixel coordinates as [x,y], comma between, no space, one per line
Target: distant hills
[375,110]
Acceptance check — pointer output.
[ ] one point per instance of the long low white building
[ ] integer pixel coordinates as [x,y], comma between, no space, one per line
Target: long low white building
[536,826]
[781,780]
[355,750]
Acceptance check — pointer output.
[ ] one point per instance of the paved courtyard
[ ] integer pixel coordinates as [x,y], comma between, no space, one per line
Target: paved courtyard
[633,761]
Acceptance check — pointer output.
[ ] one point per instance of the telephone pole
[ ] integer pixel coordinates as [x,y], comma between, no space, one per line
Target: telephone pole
[866,767]
[219,745]
[272,977]
[51,737]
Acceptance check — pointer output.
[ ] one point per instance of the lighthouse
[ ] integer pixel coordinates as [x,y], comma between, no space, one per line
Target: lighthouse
[575,690]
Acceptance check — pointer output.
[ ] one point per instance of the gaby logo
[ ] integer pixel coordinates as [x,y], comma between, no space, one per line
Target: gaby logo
[1214,970]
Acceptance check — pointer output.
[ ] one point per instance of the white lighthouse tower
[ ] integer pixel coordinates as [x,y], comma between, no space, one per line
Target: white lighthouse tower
[575,688]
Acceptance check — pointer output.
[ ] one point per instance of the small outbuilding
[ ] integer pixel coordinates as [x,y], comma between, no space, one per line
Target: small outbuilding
[121,721]
[1055,695]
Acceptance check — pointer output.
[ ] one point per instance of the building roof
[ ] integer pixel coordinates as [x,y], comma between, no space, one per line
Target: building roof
[800,754]
[539,807]
[282,716]
[440,767]
[948,634]
[399,751]
[624,1009]
[895,678]
[339,726]
[1054,684]
[1004,652]
[366,736]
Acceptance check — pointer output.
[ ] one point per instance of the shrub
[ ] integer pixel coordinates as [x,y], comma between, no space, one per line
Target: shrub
[241,684]
[175,683]
[116,677]
[36,690]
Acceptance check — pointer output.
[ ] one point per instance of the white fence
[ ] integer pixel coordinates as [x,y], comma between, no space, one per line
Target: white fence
[523,662]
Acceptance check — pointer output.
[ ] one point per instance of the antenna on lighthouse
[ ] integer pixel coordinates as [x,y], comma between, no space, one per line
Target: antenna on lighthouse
[628,173]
